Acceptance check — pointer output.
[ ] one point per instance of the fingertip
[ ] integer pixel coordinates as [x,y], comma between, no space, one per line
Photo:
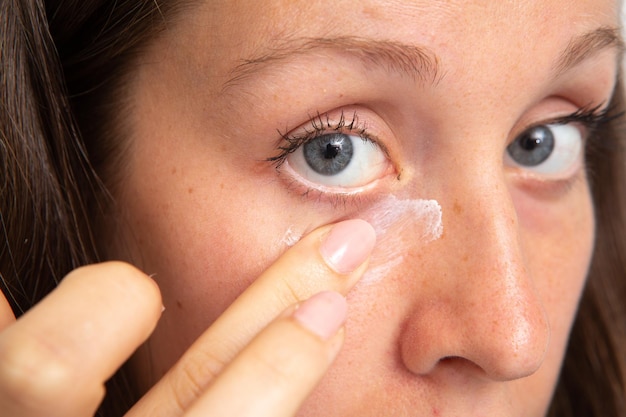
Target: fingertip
[323,314]
[126,280]
[348,245]
[78,336]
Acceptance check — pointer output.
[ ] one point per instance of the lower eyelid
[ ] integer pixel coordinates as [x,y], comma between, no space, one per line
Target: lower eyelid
[309,186]
[544,188]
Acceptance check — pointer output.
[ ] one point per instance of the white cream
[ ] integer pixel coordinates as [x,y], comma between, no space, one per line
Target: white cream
[399,223]
[424,217]
[290,237]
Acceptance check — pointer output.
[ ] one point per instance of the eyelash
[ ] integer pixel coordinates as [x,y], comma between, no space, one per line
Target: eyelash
[590,118]
[319,125]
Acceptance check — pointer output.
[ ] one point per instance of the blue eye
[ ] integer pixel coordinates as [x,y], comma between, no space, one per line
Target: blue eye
[329,154]
[339,160]
[532,147]
[553,149]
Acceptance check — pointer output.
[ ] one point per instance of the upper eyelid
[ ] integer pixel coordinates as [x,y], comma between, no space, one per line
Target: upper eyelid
[322,122]
[591,117]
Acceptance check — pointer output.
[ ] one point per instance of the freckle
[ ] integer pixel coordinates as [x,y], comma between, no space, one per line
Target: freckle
[465,258]
[457,208]
[415,255]
[221,186]
[190,190]
[372,13]
[174,170]
[179,304]
[495,323]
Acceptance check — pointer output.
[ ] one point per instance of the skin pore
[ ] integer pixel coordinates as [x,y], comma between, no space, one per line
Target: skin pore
[472,323]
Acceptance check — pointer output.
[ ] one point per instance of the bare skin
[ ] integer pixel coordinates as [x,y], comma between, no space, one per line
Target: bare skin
[472,323]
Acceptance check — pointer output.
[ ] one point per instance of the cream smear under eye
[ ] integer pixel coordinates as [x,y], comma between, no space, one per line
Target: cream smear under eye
[291,237]
[398,223]
[423,216]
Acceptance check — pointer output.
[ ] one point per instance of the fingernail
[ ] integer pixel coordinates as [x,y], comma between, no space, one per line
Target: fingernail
[348,245]
[323,314]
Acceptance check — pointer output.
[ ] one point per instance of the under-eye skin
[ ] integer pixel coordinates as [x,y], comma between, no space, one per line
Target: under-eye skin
[333,156]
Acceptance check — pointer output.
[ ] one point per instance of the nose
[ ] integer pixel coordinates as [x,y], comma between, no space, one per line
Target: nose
[477,303]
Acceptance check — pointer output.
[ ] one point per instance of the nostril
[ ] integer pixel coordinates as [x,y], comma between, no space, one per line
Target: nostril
[460,362]
[458,368]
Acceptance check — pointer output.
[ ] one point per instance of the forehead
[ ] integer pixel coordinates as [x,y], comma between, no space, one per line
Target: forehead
[461,28]
[463,33]
[283,16]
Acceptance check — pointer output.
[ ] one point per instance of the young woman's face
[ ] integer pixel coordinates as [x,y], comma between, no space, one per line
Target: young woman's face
[466,110]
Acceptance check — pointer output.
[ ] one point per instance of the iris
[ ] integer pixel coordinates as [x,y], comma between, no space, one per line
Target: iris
[329,154]
[532,147]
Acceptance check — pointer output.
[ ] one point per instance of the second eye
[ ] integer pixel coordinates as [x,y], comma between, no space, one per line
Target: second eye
[553,150]
[339,160]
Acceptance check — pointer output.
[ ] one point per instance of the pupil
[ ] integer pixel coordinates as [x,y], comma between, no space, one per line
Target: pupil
[332,151]
[530,142]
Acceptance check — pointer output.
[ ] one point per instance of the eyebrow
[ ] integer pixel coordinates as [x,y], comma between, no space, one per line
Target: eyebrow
[590,43]
[416,62]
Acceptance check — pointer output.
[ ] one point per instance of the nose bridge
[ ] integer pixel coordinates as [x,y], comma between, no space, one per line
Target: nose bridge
[503,319]
[483,231]
[486,302]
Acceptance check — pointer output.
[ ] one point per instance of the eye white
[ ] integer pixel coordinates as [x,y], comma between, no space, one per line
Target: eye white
[563,156]
[362,164]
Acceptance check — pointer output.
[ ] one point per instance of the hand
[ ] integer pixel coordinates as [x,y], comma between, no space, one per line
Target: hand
[55,359]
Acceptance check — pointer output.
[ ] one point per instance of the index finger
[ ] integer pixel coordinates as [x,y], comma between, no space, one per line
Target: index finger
[289,357]
[330,258]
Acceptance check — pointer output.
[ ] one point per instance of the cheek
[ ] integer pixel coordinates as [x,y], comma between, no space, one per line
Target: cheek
[192,230]
[558,242]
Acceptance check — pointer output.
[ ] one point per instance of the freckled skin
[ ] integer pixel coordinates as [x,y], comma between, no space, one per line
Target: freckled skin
[474,323]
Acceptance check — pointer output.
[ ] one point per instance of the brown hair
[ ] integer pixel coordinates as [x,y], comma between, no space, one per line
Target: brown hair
[592,381]
[63,64]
